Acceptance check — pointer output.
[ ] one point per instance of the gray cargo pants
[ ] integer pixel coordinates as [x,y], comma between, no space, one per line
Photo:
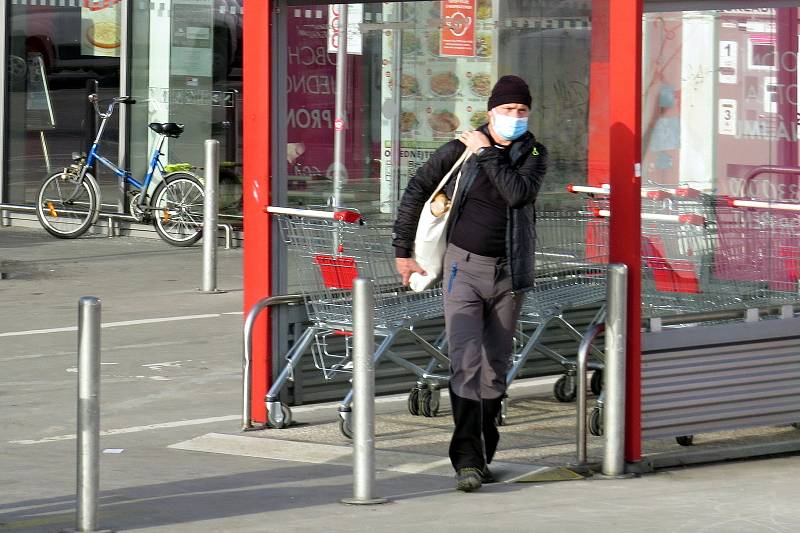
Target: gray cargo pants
[481,314]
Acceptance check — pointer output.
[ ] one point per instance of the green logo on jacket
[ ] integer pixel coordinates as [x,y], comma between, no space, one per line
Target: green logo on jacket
[535,151]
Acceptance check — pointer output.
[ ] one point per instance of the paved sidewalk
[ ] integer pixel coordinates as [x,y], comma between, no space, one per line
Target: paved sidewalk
[175,461]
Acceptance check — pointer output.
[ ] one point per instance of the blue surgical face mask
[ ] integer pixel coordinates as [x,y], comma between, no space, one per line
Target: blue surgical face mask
[509,128]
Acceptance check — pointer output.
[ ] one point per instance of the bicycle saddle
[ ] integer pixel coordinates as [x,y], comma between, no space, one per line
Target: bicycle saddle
[170,129]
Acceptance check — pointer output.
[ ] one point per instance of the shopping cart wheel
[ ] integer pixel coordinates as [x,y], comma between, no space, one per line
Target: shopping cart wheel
[596,422]
[597,382]
[287,418]
[346,428]
[413,401]
[428,403]
[685,440]
[564,390]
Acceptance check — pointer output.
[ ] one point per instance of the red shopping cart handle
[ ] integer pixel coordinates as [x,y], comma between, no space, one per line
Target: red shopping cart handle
[350,216]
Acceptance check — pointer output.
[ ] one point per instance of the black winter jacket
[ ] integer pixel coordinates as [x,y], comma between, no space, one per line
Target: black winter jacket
[518,182]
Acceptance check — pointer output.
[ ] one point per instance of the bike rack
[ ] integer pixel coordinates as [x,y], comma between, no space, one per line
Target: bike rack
[582,368]
[111,219]
[247,359]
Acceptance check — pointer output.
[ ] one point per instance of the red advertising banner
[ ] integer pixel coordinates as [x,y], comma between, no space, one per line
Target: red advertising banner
[311,88]
[458,29]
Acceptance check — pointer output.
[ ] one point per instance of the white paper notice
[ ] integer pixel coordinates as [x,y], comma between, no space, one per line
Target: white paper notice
[728,61]
[727,116]
[355,16]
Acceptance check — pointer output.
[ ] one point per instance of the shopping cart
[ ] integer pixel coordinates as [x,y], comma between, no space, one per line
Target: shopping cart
[571,266]
[678,241]
[331,248]
[758,249]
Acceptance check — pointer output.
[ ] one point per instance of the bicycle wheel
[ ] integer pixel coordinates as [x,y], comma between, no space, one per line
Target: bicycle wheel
[66,206]
[178,209]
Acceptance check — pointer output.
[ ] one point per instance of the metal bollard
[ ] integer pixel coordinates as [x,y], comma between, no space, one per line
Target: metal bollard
[210,216]
[340,126]
[88,414]
[614,374]
[363,395]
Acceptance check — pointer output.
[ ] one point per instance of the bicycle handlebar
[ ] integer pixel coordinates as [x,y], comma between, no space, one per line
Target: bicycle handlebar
[94,99]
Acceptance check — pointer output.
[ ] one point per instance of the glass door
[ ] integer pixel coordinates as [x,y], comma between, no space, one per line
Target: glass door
[187,68]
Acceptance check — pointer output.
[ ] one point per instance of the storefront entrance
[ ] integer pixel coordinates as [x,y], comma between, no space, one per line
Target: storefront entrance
[675,113]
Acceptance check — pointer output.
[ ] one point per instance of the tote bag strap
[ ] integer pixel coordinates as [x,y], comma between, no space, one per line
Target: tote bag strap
[456,165]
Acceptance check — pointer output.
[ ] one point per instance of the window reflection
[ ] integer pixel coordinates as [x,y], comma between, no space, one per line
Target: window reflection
[54,53]
[720,154]
[443,82]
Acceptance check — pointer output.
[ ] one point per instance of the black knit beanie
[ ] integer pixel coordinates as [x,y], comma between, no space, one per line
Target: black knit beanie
[510,90]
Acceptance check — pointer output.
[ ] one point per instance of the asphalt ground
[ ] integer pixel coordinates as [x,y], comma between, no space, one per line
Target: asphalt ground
[173,459]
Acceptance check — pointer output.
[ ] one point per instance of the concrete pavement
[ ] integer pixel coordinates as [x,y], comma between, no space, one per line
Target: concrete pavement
[171,376]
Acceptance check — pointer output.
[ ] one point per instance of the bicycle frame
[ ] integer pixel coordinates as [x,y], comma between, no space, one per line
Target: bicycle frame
[155,159]
[155,162]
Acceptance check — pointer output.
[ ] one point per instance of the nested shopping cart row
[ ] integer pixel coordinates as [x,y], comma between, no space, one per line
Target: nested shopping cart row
[703,253]
[331,248]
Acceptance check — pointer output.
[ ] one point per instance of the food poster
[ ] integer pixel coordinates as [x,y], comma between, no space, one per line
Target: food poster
[441,96]
[311,98]
[100,28]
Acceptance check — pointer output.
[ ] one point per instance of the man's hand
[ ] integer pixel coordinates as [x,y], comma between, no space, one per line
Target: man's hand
[474,140]
[407,266]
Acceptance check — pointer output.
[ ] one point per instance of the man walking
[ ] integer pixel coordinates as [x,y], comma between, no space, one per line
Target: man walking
[487,266]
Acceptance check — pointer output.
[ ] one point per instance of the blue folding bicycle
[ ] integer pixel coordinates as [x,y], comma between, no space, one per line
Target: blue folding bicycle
[68,202]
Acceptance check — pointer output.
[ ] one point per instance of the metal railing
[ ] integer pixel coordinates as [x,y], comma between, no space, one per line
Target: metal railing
[111,219]
[247,357]
[751,314]
[582,368]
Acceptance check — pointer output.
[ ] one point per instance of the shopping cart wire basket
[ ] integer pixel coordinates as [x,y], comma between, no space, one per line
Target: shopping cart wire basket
[330,248]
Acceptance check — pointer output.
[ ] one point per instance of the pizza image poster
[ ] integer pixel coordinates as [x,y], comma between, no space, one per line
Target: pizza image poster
[100,28]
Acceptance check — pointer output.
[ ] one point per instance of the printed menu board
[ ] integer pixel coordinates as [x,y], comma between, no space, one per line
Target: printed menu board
[441,95]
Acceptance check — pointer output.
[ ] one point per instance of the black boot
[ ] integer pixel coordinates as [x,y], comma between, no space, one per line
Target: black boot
[466,446]
[490,409]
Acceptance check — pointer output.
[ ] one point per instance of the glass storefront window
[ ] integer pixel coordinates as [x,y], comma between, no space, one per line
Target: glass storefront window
[443,85]
[720,129]
[187,68]
[53,52]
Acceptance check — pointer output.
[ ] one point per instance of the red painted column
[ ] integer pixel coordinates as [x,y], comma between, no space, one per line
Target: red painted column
[625,147]
[256,188]
[598,96]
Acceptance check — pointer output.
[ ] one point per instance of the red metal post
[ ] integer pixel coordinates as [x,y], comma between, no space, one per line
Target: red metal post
[598,96]
[256,189]
[625,148]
